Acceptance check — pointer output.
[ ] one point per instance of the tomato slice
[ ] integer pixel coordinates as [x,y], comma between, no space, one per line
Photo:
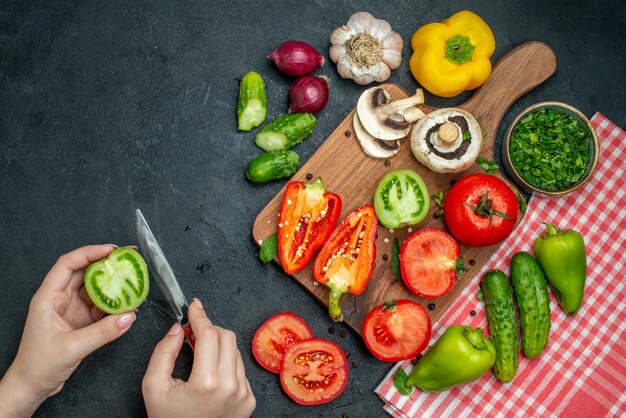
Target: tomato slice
[397,330]
[401,199]
[119,283]
[314,371]
[346,262]
[275,336]
[307,217]
[428,262]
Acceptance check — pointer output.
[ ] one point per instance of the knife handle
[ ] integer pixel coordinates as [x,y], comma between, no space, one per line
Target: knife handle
[190,338]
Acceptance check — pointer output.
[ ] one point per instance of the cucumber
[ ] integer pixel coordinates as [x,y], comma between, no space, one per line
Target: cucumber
[252,104]
[502,323]
[533,301]
[273,165]
[285,132]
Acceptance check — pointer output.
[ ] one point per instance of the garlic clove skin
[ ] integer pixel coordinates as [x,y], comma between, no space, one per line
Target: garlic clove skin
[380,71]
[380,29]
[392,51]
[361,22]
[340,35]
[337,52]
[344,68]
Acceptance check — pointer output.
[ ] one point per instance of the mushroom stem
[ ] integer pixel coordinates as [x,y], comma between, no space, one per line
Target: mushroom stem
[400,105]
[447,134]
[413,114]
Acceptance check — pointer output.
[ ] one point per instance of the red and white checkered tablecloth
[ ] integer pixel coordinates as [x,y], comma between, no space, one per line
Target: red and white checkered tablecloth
[582,372]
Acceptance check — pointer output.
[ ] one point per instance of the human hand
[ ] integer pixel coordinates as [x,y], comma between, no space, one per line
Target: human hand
[63,326]
[217,386]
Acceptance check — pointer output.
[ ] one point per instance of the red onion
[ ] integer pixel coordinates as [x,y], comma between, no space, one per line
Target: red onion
[308,94]
[296,58]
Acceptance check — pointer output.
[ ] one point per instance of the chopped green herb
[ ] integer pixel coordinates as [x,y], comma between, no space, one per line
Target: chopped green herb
[269,248]
[480,295]
[488,165]
[550,149]
[399,381]
[467,136]
[521,203]
[438,198]
[460,266]
[395,260]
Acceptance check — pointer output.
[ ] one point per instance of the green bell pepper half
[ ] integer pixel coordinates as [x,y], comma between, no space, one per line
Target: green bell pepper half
[562,257]
[461,355]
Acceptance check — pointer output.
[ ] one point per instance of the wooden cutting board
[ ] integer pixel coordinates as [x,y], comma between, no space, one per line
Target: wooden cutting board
[347,171]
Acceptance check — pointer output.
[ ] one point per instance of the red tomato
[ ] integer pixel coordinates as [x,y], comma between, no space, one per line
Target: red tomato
[480,210]
[428,262]
[314,371]
[396,330]
[276,335]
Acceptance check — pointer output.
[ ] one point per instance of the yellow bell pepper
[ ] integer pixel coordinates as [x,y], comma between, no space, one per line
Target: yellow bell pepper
[452,56]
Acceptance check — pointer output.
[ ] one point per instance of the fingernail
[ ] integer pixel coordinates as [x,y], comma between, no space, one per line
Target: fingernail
[134,247]
[125,320]
[112,245]
[197,302]
[175,329]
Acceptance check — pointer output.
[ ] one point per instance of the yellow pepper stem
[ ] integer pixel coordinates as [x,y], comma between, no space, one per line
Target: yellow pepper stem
[459,49]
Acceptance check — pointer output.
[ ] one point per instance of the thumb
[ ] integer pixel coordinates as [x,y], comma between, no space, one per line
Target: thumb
[161,365]
[88,339]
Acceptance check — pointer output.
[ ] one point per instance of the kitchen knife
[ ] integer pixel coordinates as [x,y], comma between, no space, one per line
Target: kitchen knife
[164,275]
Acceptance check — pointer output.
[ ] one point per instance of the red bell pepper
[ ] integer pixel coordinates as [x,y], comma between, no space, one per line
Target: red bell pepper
[307,217]
[346,262]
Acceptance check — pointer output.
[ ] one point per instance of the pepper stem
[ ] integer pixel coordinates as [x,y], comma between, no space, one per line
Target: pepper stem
[459,49]
[334,299]
[552,229]
[475,337]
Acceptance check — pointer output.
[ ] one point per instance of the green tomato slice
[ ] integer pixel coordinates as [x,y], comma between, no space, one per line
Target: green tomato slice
[401,199]
[118,283]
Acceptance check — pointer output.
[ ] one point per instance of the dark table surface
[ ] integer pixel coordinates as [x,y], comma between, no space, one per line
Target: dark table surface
[110,106]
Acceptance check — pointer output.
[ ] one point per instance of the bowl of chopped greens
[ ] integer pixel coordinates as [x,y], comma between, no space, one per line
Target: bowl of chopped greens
[550,148]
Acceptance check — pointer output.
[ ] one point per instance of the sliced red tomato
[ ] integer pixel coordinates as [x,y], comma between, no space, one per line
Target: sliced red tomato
[397,330]
[346,262]
[480,210]
[307,217]
[275,336]
[314,371]
[428,262]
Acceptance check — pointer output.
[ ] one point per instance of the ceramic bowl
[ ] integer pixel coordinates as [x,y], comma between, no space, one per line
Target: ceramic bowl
[594,149]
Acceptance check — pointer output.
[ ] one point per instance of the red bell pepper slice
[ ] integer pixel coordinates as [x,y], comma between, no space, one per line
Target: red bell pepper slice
[307,217]
[346,262]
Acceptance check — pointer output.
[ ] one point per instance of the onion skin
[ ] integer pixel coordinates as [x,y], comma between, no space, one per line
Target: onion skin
[308,94]
[296,58]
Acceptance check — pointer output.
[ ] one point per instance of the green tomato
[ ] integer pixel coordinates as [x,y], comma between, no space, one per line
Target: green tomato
[401,199]
[118,283]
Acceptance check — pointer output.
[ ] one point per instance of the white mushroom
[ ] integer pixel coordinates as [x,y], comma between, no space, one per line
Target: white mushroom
[447,140]
[373,147]
[387,120]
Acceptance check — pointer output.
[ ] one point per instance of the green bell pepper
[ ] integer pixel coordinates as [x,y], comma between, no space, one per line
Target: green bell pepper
[461,355]
[561,255]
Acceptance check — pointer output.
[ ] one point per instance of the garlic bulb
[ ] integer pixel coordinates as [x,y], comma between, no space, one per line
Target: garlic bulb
[365,49]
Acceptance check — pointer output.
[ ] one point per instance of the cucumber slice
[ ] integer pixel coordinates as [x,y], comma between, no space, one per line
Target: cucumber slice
[252,104]
[119,283]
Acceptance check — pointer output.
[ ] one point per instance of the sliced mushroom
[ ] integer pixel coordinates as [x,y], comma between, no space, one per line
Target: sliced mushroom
[447,140]
[373,147]
[387,120]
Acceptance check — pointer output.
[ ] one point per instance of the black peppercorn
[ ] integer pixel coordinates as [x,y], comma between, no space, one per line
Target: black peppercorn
[348,133]
[342,334]
[385,257]
[472,262]
[309,176]
[473,313]
[331,330]
[387,163]
[355,364]
[431,306]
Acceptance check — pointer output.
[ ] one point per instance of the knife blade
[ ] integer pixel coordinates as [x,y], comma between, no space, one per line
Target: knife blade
[164,275]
